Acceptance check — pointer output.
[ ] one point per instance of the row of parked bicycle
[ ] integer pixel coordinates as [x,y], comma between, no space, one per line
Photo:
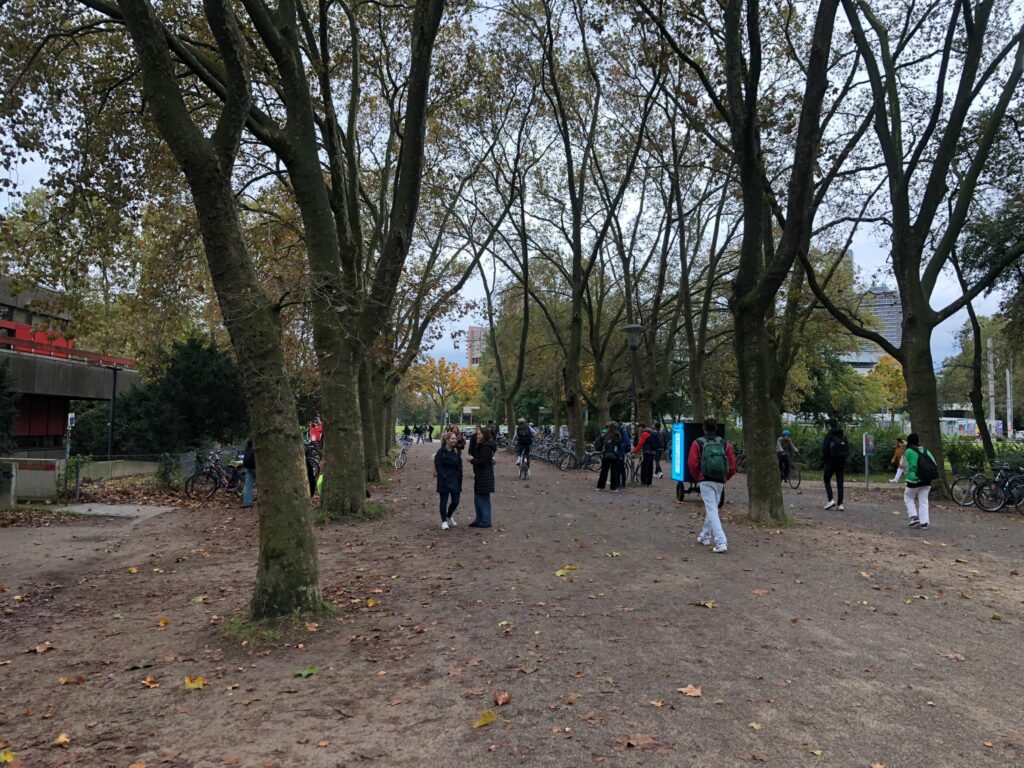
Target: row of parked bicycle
[213,475]
[991,494]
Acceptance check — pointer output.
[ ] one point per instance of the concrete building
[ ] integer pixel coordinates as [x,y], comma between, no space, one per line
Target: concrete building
[474,344]
[48,371]
[884,305]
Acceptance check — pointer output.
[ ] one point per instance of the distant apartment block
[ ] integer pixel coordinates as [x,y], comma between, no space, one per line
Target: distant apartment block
[474,344]
[884,306]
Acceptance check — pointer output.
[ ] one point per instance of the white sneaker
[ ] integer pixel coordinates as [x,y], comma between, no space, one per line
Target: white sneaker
[445,526]
[892,479]
[830,505]
[661,475]
[840,508]
[720,549]
[451,522]
[702,540]
[519,460]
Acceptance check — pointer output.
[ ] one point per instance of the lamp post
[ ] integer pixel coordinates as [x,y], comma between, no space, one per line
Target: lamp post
[113,403]
[633,337]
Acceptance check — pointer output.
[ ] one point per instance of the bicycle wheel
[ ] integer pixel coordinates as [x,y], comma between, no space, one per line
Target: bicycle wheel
[963,489]
[593,461]
[568,461]
[741,464]
[400,459]
[794,476]
[202,485]
[524,469]
[989,496]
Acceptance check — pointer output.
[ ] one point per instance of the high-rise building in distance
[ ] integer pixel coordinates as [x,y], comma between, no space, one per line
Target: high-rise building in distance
[474,344]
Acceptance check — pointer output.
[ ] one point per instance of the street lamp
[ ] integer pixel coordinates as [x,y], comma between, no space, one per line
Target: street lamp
[633,331]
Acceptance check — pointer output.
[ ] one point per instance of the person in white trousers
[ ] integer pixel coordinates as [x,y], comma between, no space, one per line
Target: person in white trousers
[916,494]
[712,456]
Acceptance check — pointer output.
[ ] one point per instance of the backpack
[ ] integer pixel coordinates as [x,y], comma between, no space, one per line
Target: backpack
[609,448]
[926,469]
[655,441]
[714,463]
[839,451]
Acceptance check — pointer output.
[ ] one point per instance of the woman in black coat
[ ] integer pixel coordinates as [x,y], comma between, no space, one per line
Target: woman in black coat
[448,468]
[483,477]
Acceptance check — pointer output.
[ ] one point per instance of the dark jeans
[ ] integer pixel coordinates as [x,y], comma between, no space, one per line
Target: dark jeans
[657,462]
[620,470]
[446,510]
[482,502]
[839,473]
[647,469]
[784,466]
[608,466]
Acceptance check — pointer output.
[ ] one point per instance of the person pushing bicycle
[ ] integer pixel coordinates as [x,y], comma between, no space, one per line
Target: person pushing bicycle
[785,447]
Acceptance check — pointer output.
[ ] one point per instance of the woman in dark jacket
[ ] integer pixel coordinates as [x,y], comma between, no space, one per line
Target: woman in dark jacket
[483,479]
[448,468]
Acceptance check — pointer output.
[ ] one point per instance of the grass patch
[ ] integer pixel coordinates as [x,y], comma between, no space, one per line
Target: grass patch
[374,510]
[266,633]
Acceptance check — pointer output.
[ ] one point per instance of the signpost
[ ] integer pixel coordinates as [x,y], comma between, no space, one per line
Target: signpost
[868,448]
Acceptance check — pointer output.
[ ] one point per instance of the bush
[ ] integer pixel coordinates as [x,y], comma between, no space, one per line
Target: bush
[168,472]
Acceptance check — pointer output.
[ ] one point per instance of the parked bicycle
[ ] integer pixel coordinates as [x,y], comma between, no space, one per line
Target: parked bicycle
[403,454]
[1006,489]
[965,486]
[207,481]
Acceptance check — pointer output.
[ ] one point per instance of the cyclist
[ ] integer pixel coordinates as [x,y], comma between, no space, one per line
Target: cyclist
[785,447]
[524,439]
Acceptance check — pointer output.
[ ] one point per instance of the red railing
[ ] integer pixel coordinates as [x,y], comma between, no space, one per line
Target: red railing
[33,347]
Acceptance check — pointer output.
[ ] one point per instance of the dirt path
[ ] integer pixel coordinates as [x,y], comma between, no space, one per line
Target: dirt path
[845,640]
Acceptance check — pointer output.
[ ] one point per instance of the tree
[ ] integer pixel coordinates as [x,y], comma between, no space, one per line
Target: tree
[888,373]
[8,409]
[440,380]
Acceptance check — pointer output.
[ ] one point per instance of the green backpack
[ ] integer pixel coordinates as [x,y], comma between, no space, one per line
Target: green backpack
[714,463]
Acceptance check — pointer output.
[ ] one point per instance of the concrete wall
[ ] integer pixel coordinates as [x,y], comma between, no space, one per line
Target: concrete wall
[35,374]
[104,470]
[8,482]
[37,478]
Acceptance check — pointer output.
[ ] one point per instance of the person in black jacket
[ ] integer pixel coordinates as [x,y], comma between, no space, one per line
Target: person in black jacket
[249,465]
[448,468]
[610,446]
[834,452]
[483,477]
[524,440]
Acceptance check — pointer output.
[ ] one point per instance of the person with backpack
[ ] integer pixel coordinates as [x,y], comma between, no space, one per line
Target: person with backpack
[448,468]
[647,445]
[664,442]
[712,463]
[610,446]
[920,468]
[524,439]
[835,450]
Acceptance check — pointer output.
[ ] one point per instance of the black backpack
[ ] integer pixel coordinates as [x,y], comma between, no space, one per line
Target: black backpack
[840,449]
[927,471]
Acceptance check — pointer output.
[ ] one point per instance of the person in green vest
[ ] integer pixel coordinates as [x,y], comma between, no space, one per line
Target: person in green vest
[920,468]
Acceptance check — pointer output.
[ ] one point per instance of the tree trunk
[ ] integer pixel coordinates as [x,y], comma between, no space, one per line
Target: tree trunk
[695,378]
[287,574]
[977,403]
[922,391]
[369,422]
[344,490]
[760,418]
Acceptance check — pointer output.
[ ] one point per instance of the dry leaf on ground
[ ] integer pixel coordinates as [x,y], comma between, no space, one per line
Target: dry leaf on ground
[690,690]
[485,719]
[501,698]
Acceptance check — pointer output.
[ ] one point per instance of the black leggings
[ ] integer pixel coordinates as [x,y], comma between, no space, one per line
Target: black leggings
[839,473]
[446,510]
[608,465]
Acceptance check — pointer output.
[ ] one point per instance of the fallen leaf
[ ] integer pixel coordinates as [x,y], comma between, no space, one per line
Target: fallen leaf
[152,682]
[307,672]
[371,601]
[878,765]
[987,744]
[200,599]
[645,742]
[656,703]
[564,571]
[614,554]
[137,765]
[6,756]
[163,621]
[41,648]
[505,623]
[759,592]
[953,656]
[194,683]
[501,698]
[133,569]
[865,574]
[312,626]
[63,740]
[77,680]
[704,603]
[815,752]
[485,719]
[757,726]
[690,690]
[324,743]
[996,617]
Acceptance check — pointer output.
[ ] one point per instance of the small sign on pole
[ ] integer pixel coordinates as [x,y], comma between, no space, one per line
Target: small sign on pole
[868,449]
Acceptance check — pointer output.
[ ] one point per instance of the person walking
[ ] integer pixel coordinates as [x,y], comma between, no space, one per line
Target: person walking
[919,465]
[430,433]
[610,445]
[896,461]
[625,445]
[419,433]
[646,447]
[249,465]
[483,477]
[712,462]
[664,441]
[835,450]
[448,468]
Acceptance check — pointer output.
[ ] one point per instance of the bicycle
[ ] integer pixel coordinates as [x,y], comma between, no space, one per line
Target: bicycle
[207,481]
[741,462]
[792,475]
[524,465]
[965,486]
[403,454]
[1003,490]
[632,469]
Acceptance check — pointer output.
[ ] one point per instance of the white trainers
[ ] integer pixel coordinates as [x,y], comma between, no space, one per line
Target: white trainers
[451,522]
[702,540]
[830,505]
[720,549]
[840,508]
[445,526]
[661,475]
